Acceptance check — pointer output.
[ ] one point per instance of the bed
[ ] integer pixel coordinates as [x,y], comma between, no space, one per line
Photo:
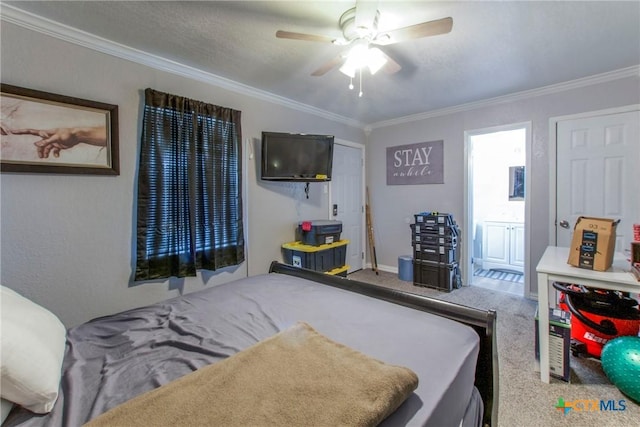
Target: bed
[113,362]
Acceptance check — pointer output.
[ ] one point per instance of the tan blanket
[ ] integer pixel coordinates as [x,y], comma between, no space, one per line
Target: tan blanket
[297,377]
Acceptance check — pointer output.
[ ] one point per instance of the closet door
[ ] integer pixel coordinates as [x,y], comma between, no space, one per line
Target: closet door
[598,173]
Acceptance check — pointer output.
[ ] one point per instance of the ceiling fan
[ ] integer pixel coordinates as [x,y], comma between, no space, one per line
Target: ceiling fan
[359,27]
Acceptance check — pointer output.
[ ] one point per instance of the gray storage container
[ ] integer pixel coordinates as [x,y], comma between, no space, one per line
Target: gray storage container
[319,232]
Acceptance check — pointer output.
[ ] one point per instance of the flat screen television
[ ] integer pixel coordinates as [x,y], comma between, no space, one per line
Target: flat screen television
[296,157]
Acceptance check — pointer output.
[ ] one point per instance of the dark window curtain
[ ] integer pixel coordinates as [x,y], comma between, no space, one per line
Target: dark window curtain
[189,188]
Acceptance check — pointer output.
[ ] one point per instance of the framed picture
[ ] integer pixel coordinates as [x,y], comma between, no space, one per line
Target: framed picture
[516,183]
[413,164]
[48,133]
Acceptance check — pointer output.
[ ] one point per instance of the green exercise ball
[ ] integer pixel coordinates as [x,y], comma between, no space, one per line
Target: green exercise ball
[621,362]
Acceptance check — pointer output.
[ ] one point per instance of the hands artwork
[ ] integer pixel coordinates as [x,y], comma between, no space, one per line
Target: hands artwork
[54,140]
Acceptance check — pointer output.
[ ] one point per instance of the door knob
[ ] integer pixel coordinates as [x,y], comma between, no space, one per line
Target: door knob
[564,224]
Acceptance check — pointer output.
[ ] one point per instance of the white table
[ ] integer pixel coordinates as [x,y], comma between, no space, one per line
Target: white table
[553,267]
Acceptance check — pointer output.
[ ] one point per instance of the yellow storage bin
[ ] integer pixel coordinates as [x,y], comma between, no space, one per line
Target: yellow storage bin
[319,258]
[340,271]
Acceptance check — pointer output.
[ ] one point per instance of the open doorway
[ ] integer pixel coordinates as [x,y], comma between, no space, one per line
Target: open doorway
[496,208]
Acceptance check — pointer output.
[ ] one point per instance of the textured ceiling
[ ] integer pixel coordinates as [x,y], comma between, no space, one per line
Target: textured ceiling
[495,48]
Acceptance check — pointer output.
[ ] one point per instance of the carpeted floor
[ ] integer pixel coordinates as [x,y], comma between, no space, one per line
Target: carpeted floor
[523,399]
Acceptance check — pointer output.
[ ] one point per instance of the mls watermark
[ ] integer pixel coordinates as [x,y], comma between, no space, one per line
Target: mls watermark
[590,405]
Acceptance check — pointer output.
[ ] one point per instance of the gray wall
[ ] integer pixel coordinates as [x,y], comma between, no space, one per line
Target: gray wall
[394,204]
[67,242]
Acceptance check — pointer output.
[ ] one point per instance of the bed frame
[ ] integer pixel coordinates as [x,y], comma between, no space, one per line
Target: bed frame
[483,322]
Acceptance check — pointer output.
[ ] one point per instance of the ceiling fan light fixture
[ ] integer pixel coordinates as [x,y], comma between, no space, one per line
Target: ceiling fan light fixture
[348,69]
[355,60]
[375,60]
[361,56]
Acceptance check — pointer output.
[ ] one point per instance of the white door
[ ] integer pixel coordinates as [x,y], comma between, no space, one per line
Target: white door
[347,200]
[517,255]
[598,173]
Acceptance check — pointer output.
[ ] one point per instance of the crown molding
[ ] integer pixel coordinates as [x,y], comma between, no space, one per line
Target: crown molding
[13,15]
[517,96]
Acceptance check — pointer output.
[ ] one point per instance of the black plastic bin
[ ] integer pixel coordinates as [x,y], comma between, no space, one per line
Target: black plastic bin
[319,258]
[319,232]
[437,275]
[445,254]
[434,218]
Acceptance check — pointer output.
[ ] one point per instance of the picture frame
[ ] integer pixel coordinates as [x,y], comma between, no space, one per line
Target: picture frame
[42,132]
[516,183]
[416,164]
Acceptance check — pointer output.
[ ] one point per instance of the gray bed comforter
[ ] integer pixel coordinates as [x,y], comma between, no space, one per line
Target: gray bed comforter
[112,359]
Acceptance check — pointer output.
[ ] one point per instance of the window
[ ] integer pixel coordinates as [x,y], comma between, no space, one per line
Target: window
[189,188]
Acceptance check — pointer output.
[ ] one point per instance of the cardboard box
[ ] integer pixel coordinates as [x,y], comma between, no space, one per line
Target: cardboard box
[593,243]
[559,343]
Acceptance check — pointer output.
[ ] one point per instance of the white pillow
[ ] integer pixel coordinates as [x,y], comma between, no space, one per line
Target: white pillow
[32,348]
[5,408]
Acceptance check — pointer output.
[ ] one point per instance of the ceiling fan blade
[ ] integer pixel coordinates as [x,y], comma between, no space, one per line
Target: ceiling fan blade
[300,36]
[391,66]
[329,65]
[425,29]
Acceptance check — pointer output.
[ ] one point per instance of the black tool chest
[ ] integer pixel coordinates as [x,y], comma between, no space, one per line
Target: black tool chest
[435,241]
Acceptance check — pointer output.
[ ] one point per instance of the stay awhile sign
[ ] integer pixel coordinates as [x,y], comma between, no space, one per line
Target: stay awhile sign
[421,163]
